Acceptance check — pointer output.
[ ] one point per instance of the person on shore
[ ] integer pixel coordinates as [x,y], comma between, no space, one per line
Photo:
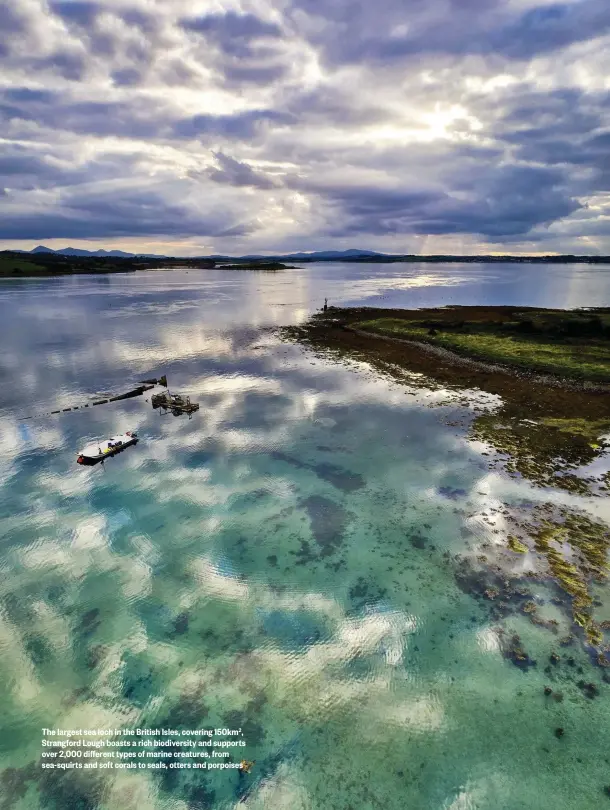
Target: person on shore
[325,304]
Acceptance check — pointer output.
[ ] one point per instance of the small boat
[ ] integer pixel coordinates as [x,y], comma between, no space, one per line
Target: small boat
[104,448]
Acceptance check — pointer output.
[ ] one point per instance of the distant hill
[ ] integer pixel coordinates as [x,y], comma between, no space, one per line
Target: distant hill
[52,263]
[321,255]
[333,254]
[324,255]
[99,253]
[352,255]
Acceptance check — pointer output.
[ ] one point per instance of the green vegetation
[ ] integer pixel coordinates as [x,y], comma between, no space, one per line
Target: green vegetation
[54,264]
[516,545]
[586,542]
[573,346]
[548,450]
[578,427]
[16,265]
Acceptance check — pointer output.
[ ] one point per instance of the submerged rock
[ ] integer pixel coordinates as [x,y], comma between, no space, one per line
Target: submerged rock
[453,493]
[89,622]
[513,651]
[342,479]
[603,660]
[328,522]
[590,690]
[181,624]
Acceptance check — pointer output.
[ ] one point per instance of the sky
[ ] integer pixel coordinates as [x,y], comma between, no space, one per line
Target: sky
[194,127]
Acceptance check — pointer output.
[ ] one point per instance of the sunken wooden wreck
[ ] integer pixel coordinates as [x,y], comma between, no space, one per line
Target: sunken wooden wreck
[145,385]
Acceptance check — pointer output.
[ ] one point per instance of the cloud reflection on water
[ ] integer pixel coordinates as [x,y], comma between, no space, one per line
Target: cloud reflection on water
[188,522]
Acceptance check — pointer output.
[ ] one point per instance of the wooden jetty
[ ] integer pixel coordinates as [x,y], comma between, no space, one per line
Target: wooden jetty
[175,403]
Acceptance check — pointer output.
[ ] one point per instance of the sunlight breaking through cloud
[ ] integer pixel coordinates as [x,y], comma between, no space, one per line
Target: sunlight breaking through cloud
[194,128]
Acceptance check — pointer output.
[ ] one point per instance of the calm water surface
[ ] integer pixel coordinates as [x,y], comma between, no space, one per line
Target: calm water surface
[284,562]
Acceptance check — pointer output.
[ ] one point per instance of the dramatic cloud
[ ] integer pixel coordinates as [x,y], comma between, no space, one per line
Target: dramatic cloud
[509,202]
[235,32]
[272,125]
[234,173]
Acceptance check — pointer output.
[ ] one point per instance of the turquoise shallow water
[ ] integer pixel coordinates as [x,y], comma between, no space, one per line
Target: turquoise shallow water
[286,562]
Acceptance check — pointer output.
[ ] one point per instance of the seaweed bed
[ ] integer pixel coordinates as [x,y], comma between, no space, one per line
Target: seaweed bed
[575,549]
[570,552]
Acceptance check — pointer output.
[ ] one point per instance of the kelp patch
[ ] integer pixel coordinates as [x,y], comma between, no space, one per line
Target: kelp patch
[328,521]
[337,476]
[547,451]
[576,549]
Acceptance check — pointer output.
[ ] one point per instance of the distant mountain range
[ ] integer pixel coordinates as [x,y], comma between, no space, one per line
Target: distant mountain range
[78,252]
[360,256]
[321,255]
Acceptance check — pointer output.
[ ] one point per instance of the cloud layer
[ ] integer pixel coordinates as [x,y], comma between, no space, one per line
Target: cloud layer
[444,125]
